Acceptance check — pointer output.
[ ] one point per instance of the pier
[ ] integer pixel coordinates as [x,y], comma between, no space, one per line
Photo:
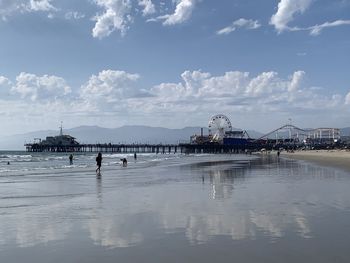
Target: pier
[144,148]
[221,139]
[184,148]
[106,148]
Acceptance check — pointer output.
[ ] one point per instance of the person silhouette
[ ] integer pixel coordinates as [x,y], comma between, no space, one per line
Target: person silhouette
[125,162]
[98,163]
[71,159]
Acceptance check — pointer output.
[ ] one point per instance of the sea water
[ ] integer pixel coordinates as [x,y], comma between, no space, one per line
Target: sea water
[20,162]
[173,208]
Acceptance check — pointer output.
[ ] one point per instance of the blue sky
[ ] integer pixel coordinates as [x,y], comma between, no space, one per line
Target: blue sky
[174,63]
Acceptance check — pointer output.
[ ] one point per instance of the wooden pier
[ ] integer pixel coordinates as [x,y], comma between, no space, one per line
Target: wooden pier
[106,148]
[143,148]
[184,148]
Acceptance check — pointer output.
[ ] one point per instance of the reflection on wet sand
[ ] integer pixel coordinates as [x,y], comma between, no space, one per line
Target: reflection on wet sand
[248,200]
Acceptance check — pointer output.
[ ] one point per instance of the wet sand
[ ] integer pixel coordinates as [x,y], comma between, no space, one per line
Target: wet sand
[194,209]
[333,158]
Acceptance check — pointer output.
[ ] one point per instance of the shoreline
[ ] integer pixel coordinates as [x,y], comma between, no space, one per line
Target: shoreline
[330,158]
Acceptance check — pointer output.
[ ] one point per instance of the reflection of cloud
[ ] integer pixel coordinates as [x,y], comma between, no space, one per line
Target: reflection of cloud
[302,223]
[257,206]
[27,229]
[265,222]
[108,232]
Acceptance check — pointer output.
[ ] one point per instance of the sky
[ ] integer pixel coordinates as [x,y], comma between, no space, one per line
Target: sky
[173,63]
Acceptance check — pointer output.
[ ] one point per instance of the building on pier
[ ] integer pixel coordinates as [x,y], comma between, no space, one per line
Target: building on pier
[59,143]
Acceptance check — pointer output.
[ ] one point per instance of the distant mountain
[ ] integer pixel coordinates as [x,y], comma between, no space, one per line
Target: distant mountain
[95,134]
[125,134]
[132,134]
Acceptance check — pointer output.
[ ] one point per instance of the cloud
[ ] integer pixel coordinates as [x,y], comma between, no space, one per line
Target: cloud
[148,7]
[70,15]
[183,12]
[4,82]
[296,81]
[286,11]
[41,5]
[347,99]
[238,88]
[40,88]
[111,87]
[240,23]
[10,7]
[113,94]
[316,30]
[5,86]
[116,16]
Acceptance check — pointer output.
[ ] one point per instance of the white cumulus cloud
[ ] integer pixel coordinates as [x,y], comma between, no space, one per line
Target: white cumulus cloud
[239,88]
[240,23]
[4,82]
[111,86]
[347,99]
[5,86]
[183,12]
[296,81]
[116,16]
[148,7]
[41,5]
[40,87]
[112,95]
[288,9]
[286,12]
[10,7]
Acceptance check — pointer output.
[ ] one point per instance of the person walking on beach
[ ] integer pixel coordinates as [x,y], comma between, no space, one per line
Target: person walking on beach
[71,159]
[99,162]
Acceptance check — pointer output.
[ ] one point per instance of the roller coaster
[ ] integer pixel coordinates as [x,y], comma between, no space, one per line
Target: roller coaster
[295,133]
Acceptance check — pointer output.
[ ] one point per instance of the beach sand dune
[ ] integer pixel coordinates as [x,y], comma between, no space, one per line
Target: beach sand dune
[334,158]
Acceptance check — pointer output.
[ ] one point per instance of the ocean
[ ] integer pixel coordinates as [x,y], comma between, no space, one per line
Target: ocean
[21,162]
[172,208]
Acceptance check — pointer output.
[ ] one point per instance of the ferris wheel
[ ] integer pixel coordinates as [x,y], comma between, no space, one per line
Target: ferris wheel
[218,125]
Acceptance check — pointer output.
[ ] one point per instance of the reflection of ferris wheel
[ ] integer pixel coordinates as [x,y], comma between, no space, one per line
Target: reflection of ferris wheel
[218,126]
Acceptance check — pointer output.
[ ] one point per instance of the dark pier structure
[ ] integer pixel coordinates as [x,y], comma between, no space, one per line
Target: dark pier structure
[105,147]
[185,148]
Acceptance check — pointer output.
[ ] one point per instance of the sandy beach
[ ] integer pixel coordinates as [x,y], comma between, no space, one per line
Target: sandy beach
[333,158]
[168,208]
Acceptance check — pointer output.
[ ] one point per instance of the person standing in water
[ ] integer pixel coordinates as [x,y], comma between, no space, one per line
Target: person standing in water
[71,159]
[135,156]
[99,162]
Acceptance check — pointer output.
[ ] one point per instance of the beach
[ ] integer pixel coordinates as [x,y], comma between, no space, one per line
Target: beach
[174,208]
[333,158]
